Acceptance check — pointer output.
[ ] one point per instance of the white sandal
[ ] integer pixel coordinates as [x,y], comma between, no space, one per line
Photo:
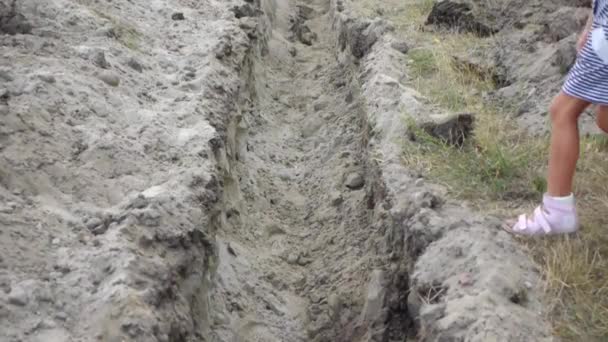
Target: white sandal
[553,217]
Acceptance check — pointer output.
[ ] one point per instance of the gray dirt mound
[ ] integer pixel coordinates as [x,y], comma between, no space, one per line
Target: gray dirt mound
[109,191]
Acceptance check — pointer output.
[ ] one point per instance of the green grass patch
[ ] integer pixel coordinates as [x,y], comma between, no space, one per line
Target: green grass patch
[422,63]
[495,171]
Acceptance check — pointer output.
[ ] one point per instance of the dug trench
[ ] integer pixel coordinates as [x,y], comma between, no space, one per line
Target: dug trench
[298,244]
[325,236]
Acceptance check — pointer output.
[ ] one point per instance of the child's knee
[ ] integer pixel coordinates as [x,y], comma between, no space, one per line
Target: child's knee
[602,118]
[562,114]
[559,114]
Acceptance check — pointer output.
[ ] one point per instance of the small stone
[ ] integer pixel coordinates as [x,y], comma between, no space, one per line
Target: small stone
[319,105]
[46,324]
[374,301]
[284,175]
[354,181]
[414,302]
[400,46]
[93,222]
[18,296]
[135,65]
[47,78]
[55,241]
[334,304]
[62,316]
[528,285]
[178,16]
[292,258]
[304,261]
[63,269]
[139,202]
[230,249]
[109,78]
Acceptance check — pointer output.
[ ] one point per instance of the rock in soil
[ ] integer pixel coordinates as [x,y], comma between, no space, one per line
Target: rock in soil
[354,181]
[178,16]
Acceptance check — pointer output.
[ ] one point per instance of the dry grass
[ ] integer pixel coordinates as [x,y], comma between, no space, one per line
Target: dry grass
[501,171]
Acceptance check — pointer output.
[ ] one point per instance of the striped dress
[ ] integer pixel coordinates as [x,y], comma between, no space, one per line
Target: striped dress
[588,78]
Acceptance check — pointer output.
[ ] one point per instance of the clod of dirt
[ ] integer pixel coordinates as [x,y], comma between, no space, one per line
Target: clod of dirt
[178,16]
[452,129]
[245,10]
[335,198]
[298,27]
[482,68]
[223,48]
[293,51]
[135,65]
[100,60]
[362,35]
[12,22]
[449,14]
[305,12]
[18,296]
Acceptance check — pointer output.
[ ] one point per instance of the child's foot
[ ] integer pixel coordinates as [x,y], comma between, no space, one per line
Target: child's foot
[554,216]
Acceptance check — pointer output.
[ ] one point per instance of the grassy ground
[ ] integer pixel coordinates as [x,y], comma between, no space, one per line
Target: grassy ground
[501,170]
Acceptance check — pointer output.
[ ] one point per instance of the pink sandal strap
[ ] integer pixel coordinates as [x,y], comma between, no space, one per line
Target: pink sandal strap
[541,219]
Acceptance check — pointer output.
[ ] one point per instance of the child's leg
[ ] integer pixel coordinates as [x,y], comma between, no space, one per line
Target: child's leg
[602,118]
[565,111]
[557,214]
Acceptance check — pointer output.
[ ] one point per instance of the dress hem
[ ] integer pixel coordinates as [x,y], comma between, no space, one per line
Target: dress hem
[582,97]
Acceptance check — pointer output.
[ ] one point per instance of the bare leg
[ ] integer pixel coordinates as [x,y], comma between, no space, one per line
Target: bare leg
[602,118]
[565,111]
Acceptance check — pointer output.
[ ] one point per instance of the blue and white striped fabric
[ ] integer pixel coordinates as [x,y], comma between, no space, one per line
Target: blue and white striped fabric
[588,78]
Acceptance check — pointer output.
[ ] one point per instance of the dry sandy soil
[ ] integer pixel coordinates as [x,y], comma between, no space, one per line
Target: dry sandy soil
[230,171]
